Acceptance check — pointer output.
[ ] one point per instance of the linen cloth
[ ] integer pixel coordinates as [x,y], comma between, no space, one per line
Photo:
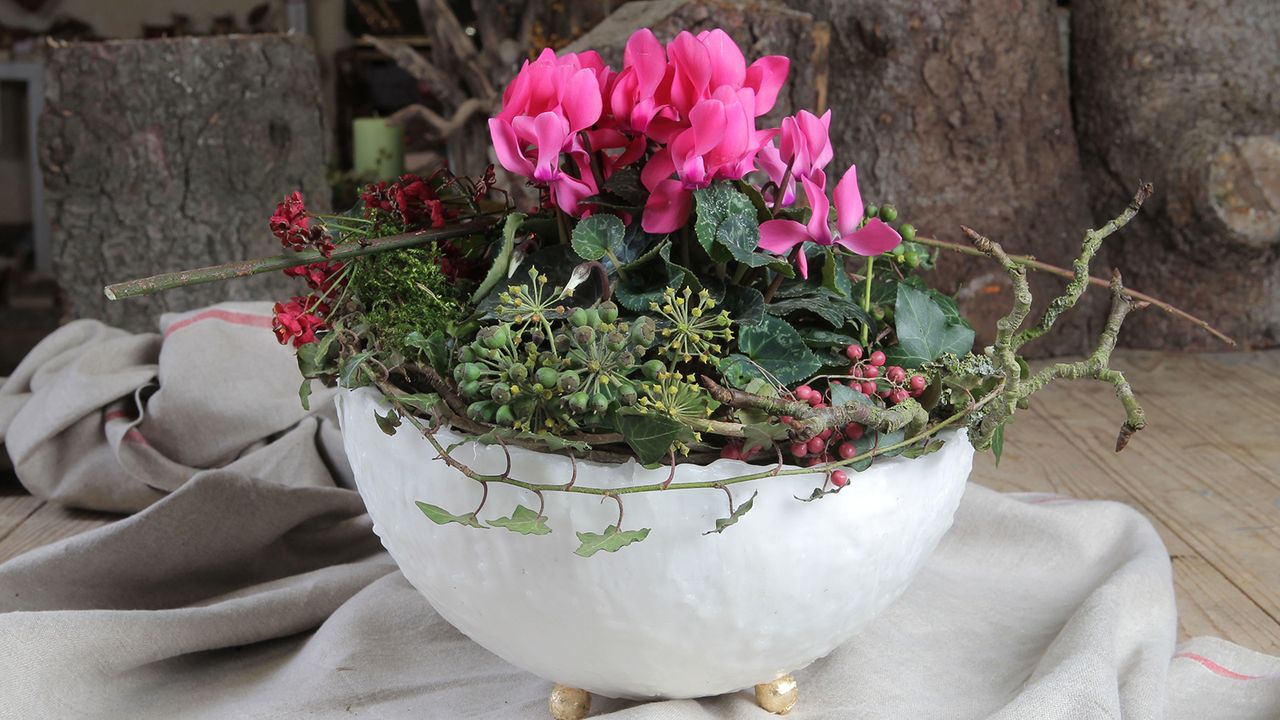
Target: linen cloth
[248,582]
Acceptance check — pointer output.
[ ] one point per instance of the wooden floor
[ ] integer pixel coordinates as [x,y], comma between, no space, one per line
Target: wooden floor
[1206,472]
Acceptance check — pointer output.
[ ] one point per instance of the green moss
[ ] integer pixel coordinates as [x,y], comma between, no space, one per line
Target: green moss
[403,291]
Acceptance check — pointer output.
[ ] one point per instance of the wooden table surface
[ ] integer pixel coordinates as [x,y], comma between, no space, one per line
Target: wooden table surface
[1206,472]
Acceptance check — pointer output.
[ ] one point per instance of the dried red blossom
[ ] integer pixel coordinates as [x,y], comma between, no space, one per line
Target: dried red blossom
[291,224]
[298,319]
[376,196]
[418,202]
[319,275]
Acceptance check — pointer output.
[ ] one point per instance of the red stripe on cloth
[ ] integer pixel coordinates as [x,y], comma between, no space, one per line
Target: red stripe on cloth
[228,316]
[133,436]
[1215,668]
[117,414]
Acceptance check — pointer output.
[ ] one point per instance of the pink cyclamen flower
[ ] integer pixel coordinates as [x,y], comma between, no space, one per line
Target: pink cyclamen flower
[805,148]
[720,143]
[873,238]
[544,108]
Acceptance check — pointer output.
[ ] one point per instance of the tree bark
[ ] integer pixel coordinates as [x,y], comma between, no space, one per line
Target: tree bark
[167,154]
[759,28]
[1186,94]
[958,112]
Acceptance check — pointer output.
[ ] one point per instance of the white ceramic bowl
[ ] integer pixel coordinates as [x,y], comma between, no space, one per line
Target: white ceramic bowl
[681,614]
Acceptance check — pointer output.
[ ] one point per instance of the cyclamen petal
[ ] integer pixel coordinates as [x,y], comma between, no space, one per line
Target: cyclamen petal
[766,77]
[552,133]
[779,236]
[507,147]
[667,209]
[874,238]
[848,202]
[816,192]
[728,66]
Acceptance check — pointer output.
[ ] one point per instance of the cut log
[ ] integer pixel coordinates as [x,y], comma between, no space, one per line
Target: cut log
[167,154]
[1186,94]
[759,28]
[958,112]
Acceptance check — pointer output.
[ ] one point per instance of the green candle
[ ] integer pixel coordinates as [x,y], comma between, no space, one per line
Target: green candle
[379,148]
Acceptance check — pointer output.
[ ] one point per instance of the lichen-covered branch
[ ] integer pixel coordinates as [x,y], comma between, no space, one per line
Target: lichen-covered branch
[807,421]
[1080,282]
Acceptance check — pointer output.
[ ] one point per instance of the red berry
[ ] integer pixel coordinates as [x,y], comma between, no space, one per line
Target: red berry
[917,383]
[897,396]
[818,404]
[730,452]
[799,449]
[817,445]
[871,372]
[868,389]
[855,371]
[896,374]
[785,419]
[884,394]
[835,382]
[877,358]
[839,478]
[854,352]
[847,450]
[804,392]
[825,434]
[814,400]
[853,431]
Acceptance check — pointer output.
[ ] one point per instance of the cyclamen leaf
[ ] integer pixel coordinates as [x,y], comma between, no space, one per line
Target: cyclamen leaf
[735,516]
[597,235]
[726,225]
[924,331]
[389,422]
[611,540]
[523,521]
[745,304]
[440,516]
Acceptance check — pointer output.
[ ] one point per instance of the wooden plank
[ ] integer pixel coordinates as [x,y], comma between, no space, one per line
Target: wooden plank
[1039,459]
[15,507]
[1221,502]
[48,524]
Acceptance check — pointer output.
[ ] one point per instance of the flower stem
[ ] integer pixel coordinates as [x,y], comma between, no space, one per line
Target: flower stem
[245,268]
[866,296]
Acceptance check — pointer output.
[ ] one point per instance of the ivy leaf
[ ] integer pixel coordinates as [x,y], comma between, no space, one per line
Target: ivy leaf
[598,235]
[552,442]
[434,347]
[817,337]
[735,516]
[347,374]
[423,402]
[759,435]
[843,395]
[440,516]
[304,394]
[647,278]
[501,260]
[611,540]
[924,331]
[997,443]
[389,422]
[778,349]
[818,494]
[650,436]
[523,521]
[918,451]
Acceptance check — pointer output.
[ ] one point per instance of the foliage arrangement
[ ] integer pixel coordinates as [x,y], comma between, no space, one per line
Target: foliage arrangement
[680,295]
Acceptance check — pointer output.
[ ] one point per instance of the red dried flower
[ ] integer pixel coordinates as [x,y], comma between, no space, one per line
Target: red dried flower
[418,202]
[298,320]
[319,275]
[291,224]
[376,196]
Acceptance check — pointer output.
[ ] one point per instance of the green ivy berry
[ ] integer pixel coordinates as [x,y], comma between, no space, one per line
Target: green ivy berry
[593,318]
[505,416]
[888,212]
[652,368]
[907,231]
[578,401]
[872,210]
[615,341]
[470,389]
[466,354]
[481,411]
[578,317]
[627,394]
[913,259]
[608,312]
[599,403]
[568,383]
[546,377]
[471,371]
[496,339]
[517,373]
[500,393]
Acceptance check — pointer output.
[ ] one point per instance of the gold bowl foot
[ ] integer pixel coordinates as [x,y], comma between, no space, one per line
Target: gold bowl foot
[779,696]
[568,703]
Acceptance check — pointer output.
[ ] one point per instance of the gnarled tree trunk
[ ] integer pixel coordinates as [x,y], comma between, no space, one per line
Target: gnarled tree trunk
[1186,94]
[958,112]
[167,154]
